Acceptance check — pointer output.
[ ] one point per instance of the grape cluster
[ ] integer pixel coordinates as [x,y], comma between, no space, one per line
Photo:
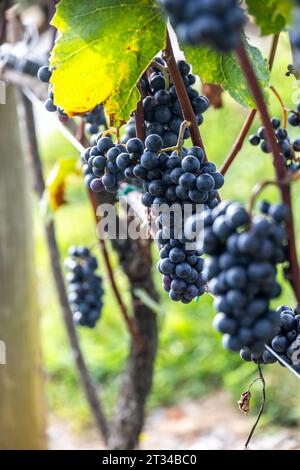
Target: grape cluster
[241,271]
[286,342]
[169,180]
[288,147]
[85,290]
[206,22]
[100,167]
[95,119]
[162,110]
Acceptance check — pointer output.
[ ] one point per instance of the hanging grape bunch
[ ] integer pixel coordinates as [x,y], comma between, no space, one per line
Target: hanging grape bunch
[84,286]
[288,147]
[206,22]
[162,109]
[286,342]
[241,272]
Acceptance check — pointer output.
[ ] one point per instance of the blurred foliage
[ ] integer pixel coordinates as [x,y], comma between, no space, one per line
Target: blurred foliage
[191,361]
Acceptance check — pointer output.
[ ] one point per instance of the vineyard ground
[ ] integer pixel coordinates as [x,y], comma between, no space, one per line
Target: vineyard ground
[199,424]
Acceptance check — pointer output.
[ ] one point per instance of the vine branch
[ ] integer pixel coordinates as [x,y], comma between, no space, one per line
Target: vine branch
[186,106]
[237,147]
[102,242]
[253,84]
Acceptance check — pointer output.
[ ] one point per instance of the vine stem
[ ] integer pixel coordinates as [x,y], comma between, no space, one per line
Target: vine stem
[262,406]
[39,183]
[284,110]
[278,163]
[128,320]
[250,118]
[186,106]
[139,118]
[102,242]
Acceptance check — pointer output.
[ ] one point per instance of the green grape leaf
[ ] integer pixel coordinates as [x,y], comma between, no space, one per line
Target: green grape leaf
[225,70]
[104,47]
[271,15]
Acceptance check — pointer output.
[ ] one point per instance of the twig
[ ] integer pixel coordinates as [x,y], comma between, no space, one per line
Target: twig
[102,242]
[284,110]
[278,163]
[186,106]
[249,120]
[139,118]
[88,385]
[262,407]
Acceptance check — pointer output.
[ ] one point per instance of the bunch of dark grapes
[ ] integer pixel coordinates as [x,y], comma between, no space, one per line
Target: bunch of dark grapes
[95,119]
[206,22]
[288,147]
[241,272]
[162,109]
[84,286]
[100,167]
[169,180]
[286,342]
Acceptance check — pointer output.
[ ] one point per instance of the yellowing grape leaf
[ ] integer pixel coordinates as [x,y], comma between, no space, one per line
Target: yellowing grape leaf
[56,182]
[104,48]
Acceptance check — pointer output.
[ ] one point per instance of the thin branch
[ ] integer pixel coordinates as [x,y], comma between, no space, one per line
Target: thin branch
[239,142]
[88,385]
[237,147]
[186,106]
[262,407]
[294,275]
[139,118]
[102,242]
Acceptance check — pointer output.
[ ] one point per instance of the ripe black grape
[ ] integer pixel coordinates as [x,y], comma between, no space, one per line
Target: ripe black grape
[85,290]
[206,22]
[288,147]
[241,272]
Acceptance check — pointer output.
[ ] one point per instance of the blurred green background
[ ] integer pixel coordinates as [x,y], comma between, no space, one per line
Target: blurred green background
[191,361]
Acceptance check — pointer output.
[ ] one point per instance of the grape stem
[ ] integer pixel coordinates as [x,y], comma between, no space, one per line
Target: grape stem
[262,406]
[253,84]
[238,145]
[186,106]
[180,142]
[259,188]
[284,109]
[139,118]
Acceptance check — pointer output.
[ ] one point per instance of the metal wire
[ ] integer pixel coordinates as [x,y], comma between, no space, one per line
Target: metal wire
[283,362]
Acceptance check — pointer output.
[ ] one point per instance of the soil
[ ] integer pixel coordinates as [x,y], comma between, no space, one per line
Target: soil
[213,423]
